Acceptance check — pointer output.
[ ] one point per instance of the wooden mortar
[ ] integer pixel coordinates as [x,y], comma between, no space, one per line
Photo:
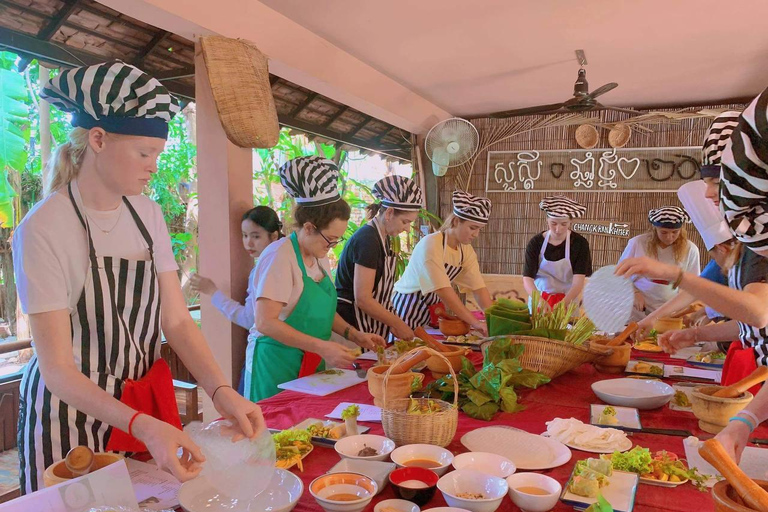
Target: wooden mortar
[437,364]
[453,327]
[728,500]
[615,362]
[713,412]
[398,385]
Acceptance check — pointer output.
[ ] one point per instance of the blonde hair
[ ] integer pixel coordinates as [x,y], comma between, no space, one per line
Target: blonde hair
[735,250]
[450,221]
[679,247]
[64,165]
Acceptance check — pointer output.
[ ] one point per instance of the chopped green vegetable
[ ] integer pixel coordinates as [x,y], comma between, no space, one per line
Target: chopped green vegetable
[353,411]
[287,437]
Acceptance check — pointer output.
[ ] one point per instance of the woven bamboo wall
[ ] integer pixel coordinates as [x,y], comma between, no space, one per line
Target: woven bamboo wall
[516,216]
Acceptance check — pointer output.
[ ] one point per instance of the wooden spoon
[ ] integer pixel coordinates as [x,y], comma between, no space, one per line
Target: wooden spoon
[714,453]
[738,388]
[79,460]
[430,341]
[621,338]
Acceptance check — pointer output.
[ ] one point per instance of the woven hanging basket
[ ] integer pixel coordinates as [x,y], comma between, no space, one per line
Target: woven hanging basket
[619,135]
[587,136]
[239,76]
[552,357]
[438,428]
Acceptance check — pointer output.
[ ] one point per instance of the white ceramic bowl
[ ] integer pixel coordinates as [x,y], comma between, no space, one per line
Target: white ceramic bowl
[408,452]
[281,495]
[349,447]
[469,480]
[399,505]
[377,470]
[323,487]
[488,463]
[638,393]
[533,502]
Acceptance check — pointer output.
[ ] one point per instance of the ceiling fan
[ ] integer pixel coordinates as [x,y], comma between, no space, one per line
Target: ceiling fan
[582,100]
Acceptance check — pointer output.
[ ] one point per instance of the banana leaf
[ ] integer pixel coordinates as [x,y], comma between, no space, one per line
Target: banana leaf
[520,316]
[512,304]
[499,326]
[552,334]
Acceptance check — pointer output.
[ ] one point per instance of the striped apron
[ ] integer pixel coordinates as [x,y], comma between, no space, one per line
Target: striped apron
[382,292]
[115,336]
[413,308]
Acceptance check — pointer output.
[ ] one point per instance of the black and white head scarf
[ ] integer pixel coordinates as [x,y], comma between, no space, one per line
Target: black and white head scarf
[561,207]
[715,141]
[744,177]
[668,217]
[115,96]
[398,192]
[469,207]
[311,180]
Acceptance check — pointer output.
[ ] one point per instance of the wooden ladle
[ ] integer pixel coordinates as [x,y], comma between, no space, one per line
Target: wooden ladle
[430,341]
[625,334]
[738,388]
[754,495]
[79,460]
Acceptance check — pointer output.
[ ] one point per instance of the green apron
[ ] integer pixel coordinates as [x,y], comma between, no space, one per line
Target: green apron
[273,362]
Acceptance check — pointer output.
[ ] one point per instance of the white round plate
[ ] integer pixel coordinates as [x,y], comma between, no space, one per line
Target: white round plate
[638,393]
[525,450]
[608,299]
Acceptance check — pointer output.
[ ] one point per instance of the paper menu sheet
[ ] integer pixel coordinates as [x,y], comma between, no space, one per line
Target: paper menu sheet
[754,461]
[367,412]
[698,373]
[109,486]
[154,488]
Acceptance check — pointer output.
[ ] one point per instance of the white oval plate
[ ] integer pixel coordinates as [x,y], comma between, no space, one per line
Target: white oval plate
[638,393]
[525,450]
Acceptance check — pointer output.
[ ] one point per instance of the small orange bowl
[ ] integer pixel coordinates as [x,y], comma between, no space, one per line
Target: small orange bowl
[453,327]
[348,492]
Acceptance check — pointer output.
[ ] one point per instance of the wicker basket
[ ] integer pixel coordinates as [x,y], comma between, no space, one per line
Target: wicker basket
[619,135]
[437,428]
[552,357]
[587,136]
[239,76]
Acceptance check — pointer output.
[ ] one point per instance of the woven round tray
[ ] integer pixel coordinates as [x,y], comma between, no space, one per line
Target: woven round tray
[239,76]
[551,357]
[438,428]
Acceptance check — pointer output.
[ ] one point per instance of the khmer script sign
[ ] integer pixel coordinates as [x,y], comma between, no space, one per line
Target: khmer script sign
[592,170]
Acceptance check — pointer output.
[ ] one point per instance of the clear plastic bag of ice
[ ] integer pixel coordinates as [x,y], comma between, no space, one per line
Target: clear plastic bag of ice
[239,470]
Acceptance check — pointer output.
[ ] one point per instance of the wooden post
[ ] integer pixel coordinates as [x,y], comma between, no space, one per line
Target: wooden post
[224,181]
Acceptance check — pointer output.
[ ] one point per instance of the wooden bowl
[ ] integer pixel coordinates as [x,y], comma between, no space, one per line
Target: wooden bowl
[453,327]
[587,136]
[663,325]
[613,363]
[726,499]
[398,386]
[438,367]
[713,412]
[58,472]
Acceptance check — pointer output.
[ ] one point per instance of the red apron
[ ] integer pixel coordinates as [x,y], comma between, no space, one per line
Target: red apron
[153,394]
[739,363]
[552,298]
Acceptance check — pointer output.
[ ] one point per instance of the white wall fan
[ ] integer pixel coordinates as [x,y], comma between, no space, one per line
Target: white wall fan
[451,143]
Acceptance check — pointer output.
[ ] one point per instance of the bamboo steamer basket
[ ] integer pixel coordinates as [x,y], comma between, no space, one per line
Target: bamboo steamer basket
[552,357]
[438,428]
[239,76]
[439,368]
[397,386]
[58,472]
[726,499]
[713,412]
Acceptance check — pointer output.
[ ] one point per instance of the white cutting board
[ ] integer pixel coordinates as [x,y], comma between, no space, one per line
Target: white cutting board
[320,384]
